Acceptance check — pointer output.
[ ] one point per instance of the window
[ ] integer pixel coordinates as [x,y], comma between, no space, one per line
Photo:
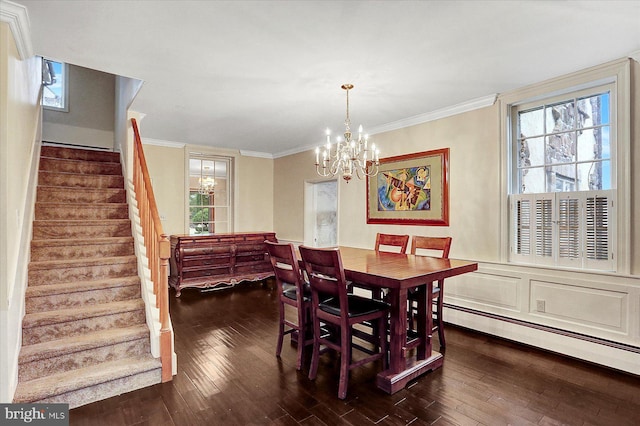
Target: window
[55,91]
[210,208]
[568,170]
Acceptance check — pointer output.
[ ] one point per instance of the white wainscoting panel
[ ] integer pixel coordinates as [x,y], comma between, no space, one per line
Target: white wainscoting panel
[587,306]
[486,291]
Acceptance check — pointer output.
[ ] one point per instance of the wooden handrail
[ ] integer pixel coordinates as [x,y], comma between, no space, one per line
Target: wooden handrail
[157,245]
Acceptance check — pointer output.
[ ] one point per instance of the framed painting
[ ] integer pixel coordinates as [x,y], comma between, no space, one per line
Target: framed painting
[410,189]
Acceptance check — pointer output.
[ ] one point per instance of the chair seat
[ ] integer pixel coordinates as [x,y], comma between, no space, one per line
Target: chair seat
[292,294]
[358,306]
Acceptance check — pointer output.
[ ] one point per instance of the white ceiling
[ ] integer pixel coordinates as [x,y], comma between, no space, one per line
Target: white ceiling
[265,76]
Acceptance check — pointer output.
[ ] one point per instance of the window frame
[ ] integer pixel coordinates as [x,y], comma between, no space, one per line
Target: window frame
[65,87]
[229,188]
[618,74]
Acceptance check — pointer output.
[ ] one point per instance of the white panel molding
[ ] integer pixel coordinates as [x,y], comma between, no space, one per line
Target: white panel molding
[599,306]
[17,17]
[488,290]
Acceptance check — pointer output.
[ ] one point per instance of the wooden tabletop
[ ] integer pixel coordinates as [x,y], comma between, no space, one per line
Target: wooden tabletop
[398,270]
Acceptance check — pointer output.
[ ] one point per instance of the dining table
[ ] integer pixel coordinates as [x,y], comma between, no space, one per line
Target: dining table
[400,273]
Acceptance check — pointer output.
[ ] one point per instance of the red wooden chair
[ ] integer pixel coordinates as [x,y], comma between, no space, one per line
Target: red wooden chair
[436,247]
[292,291]
[390,240]
[330,303]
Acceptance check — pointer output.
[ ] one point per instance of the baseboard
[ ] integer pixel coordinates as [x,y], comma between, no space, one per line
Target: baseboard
[603,352]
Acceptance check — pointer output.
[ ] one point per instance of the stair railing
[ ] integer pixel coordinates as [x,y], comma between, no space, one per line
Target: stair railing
[158,248]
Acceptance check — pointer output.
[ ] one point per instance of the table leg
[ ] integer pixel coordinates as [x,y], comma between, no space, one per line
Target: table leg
[425,321]
[398,330]
[401,370]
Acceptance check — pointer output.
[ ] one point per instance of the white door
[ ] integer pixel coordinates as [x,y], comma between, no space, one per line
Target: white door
[321,214]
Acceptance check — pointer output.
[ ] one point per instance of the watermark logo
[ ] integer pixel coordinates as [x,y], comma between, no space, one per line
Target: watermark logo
[34,414]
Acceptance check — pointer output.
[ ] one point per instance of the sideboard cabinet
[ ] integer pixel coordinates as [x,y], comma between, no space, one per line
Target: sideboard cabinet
[219,260]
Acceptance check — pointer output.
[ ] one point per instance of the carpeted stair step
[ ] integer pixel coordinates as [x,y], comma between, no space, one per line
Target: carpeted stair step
[81,351]
[80,180]
[54,229]
[72,211]
[90,384]
[61,271]
[42,327]
[79,154]
[63,194]
[74,248]
[79,166]
[43,298]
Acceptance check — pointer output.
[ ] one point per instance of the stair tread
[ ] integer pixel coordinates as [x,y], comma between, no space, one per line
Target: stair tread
[56,264]
[60,383]
[38,319]
[88,222]
[78,286]
[75,205]
[56,242]
[78,188]
[86,341]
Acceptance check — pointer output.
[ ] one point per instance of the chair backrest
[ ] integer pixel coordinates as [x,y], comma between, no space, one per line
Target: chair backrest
[401,241]
[435,245]
[326,273]
[285,265]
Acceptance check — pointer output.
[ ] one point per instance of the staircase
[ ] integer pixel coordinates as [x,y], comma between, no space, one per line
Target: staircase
[84,335]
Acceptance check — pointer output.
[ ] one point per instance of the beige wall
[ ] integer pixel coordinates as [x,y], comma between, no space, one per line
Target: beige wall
[254,194]
[253,188]
[166,169]
[474,186]
[19,129]
[91,116]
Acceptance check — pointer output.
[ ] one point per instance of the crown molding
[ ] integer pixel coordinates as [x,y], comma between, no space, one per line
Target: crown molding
[159,142]
[635,55]
[258,154]
[471,105]
[17,17]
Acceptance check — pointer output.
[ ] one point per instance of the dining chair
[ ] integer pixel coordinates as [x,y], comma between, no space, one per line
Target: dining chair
[391,240]
[385,242]
[292,291]
[436,247]
[330,303]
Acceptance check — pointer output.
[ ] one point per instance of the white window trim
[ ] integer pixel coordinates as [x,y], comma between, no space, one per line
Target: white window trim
[617,72]
[65,88]
[197,152]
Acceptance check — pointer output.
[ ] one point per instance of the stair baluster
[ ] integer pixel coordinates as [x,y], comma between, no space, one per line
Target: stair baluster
[157,245]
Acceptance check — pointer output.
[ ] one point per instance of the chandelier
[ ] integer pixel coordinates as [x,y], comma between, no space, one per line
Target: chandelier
[205,184]
[351,156]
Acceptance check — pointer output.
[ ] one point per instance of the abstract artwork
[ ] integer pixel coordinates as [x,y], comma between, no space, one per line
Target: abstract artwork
[410,189]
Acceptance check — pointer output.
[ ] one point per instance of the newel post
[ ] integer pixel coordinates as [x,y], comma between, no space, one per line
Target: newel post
[164,247]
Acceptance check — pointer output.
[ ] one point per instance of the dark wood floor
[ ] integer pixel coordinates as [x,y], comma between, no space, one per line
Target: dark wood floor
[228,375]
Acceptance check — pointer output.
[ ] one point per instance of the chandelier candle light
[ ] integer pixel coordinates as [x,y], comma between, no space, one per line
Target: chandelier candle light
[351,155]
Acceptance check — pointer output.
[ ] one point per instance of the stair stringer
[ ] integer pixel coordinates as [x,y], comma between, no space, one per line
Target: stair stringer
[151,310]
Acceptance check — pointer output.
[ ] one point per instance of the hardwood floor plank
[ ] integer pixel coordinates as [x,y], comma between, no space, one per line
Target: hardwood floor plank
[228,374]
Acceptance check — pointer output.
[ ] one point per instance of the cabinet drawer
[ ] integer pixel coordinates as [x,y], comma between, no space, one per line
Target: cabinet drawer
[206,261]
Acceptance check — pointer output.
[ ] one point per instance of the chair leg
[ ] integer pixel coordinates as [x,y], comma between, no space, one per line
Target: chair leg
[280,330]
[345,360]
[382,326]
[315,358]
[439,308]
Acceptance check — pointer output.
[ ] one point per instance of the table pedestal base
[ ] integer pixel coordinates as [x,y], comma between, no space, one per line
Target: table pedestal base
[392,383]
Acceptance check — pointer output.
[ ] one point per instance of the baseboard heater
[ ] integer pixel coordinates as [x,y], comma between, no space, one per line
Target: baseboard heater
[591,339]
